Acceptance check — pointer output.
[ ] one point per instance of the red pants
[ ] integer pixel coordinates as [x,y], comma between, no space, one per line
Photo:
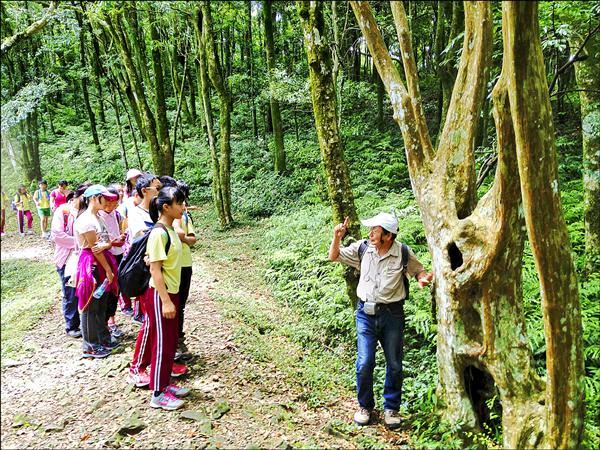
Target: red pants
[3,220]
[157,341]
[21,220]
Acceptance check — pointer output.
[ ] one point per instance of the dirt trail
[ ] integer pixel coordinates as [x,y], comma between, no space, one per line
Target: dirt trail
[52,398]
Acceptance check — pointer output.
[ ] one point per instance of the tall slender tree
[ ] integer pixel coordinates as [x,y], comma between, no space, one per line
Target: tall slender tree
[84,82]
[278,150]
[324,100]
[587,72]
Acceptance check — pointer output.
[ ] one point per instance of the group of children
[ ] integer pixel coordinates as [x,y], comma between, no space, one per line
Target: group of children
[93,231]
[44,201]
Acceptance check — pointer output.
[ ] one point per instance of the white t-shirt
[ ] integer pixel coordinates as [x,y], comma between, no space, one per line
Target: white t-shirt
[90,222]
[138,221]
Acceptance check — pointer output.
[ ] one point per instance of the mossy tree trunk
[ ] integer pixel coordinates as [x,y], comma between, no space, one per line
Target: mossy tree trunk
[546,227]
[217,194]
[278,149]
[324,99]
[587,73]
[250,67]
[162,124]
[477,246]
[162,158]
[220,84]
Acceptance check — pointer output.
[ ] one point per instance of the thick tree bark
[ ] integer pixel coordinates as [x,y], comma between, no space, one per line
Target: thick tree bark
[322,88]
[587,73]
[546,228]
[278,150]
[477,247]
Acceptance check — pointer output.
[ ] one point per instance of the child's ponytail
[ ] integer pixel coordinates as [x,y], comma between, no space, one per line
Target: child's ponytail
[153,210]
[166,196]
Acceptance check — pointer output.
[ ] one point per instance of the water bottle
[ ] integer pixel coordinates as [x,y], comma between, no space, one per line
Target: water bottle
[101,289]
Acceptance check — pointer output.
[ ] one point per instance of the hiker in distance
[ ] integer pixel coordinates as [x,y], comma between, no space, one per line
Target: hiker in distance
[385,267]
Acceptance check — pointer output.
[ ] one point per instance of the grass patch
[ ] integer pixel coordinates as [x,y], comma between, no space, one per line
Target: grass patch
[29,289]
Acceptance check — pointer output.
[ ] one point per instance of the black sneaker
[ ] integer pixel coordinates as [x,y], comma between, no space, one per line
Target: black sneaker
[111,345]
[138,319]
[74,333]
[96,352]
[127,311]
[182,352]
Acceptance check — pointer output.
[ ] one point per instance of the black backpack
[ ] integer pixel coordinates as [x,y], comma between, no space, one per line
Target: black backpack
[134,274]
[362,248]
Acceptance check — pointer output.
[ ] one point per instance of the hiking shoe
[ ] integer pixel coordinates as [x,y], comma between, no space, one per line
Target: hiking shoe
[139,379]
[362,417]
[182,352]
[178,370]
[115,331]
[138,319]
[128,311]
[167,401]
[391,418]
[74,333]
[177,390]
[112,344]
[96,352]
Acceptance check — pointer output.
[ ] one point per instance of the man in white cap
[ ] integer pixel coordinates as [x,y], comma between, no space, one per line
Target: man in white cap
[384,265]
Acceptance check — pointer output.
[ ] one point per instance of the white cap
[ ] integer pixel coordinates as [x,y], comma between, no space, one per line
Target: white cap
[132,173]
[383,220]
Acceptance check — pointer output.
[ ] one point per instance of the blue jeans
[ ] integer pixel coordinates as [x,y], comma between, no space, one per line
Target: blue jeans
[69,302]
[386,327]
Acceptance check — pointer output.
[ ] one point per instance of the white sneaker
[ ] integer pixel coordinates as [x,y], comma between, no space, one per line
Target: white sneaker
[29,231]
[391,419]
[177,390]
[3,234]
[22,234]
[362,417]
[167,401]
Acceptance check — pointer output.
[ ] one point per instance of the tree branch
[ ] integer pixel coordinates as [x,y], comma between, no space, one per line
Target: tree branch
[410,71]
[573,58]
[10,42]
[399,98]
[568,91]
[457,140]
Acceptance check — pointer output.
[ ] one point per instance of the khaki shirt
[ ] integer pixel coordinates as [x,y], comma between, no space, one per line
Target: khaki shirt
[380,276]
